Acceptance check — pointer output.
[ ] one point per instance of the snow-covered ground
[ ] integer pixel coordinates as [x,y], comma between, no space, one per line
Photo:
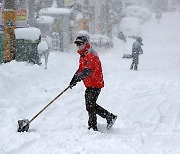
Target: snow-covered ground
[146,101]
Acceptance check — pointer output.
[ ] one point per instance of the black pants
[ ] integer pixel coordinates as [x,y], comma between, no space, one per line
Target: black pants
[135,61]
[91,95]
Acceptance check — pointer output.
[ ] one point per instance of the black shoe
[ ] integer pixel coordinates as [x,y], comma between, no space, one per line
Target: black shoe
[111,120]
[94,128]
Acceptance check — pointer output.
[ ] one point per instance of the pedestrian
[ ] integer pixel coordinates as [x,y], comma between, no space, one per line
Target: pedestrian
[90,72]
[122,37]
[136,51]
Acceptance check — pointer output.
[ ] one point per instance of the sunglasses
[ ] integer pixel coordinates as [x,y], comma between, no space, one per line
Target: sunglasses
[78,43]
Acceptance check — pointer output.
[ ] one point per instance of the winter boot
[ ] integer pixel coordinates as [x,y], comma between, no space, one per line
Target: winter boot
[111,120]
[94,128]
[136,67]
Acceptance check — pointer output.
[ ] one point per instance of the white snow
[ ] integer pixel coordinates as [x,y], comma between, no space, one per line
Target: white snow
[79,16]
[146,101]
[55,11]
[45,20]
[30,33]
[141,13]
[130,26]
[83,32]
[42,46]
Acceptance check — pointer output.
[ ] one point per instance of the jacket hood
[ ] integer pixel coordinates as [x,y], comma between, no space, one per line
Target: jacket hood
[139,39]
[140,43]
[81,52]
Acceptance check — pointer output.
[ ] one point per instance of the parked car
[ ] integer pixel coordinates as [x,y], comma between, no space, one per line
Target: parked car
[130,26]
[142,13]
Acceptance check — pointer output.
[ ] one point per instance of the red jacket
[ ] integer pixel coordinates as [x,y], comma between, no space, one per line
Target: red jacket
[90,60]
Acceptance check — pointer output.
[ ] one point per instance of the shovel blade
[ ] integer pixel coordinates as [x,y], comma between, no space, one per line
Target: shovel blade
[23,125]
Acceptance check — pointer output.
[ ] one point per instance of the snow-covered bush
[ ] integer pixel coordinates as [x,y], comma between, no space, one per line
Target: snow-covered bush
[143,14]
[130,26]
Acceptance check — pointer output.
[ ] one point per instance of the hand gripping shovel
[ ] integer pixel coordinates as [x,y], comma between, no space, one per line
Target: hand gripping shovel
[23,125]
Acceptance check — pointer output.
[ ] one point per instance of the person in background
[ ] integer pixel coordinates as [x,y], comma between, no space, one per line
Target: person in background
[136,51]
[90,72]
[122,37]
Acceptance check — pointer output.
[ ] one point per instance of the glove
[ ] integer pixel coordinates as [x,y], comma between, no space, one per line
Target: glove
[74,80]
[72,84]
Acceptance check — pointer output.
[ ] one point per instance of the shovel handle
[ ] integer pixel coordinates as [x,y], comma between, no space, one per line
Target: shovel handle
[48,104]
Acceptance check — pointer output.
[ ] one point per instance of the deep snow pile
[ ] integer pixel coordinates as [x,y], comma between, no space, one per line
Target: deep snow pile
[146,101]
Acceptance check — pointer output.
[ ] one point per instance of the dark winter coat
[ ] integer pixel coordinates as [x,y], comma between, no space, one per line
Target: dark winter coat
[136,49]
[90,70]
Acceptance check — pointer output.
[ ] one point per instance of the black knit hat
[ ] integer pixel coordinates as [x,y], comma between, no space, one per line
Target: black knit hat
[81,39]
[139,39]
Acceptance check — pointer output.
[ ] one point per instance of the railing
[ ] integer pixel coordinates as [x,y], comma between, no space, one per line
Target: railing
[101,42]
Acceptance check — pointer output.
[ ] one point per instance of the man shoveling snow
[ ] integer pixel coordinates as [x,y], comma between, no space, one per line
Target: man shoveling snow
[90,71]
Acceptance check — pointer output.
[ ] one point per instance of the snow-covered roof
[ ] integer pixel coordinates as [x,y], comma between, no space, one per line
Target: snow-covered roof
[45,20]
[55,11]
[30,33]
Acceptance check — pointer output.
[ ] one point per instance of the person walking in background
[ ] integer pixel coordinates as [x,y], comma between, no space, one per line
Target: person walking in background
[90,72]
[122,37]
[136,51]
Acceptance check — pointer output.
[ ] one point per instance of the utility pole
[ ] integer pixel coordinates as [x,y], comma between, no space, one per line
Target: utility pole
[32,12]
[108,19]
[86,15]
[9,15]
[92,19]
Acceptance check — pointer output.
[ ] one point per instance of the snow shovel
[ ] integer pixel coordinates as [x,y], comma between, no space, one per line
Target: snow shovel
[23,125]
